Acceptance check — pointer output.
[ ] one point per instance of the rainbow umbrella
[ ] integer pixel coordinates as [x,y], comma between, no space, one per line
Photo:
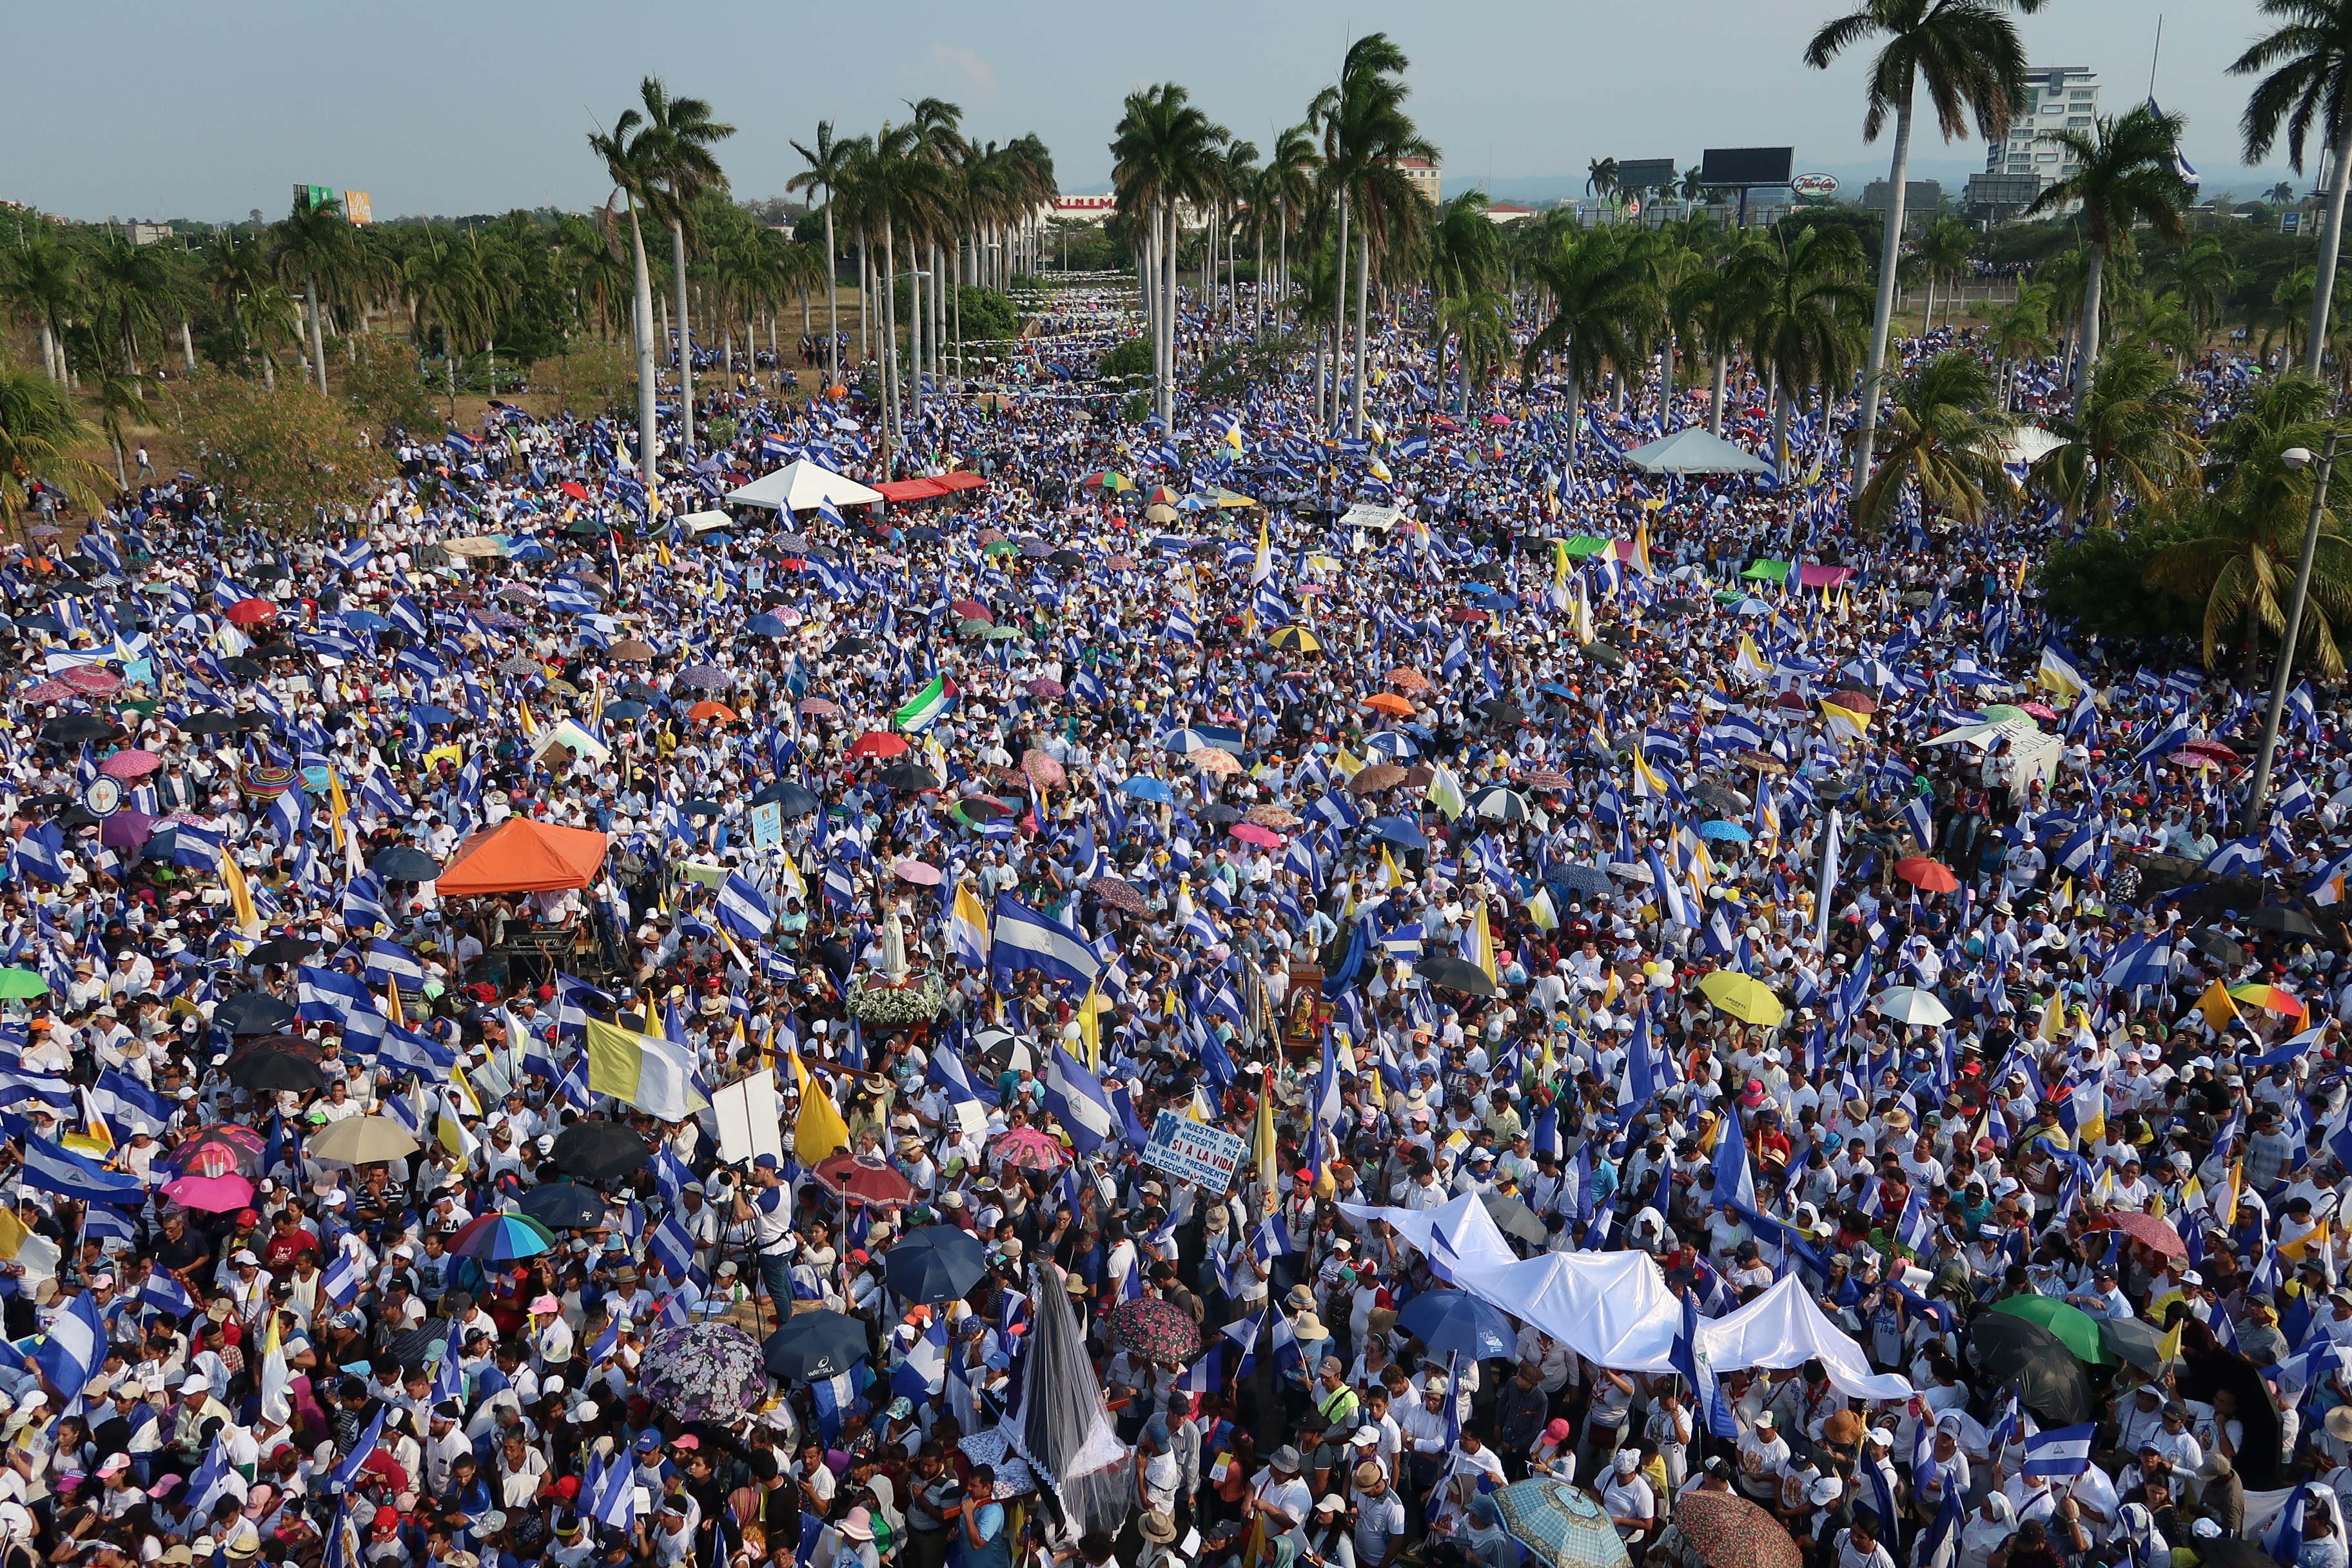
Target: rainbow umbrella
[1108,480]
[501,1239]
[2270,998]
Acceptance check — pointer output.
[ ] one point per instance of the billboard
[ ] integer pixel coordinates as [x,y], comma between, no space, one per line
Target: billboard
[357,208]
[308,197]
[1818,187]
[1733,166]
[1646,173]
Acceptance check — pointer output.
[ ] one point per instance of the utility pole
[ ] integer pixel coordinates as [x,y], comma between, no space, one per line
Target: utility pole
[2258,793]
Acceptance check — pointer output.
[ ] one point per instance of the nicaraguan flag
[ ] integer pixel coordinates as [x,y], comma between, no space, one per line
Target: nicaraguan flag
[1024,939]
[2066,1451]
[55,1169]
[1076,1097]
[744,911]
[74,1346]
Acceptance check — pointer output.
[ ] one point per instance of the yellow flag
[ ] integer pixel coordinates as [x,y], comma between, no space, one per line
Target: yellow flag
[2168,1347]
[2228,1202]
[240,898]
[2218,1006]
[1090,1027]
[1845,723]
[1262,1136]
[1486,947]
[1348,765]
[819,1132]
[12,1232]
[338,805]
[467,1100]
[1390,877]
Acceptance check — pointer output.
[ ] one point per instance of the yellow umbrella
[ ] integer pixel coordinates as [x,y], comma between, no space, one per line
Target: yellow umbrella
[1750,1001]
[1295,639]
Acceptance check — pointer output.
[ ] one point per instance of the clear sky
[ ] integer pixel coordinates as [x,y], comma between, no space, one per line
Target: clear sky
[144,108]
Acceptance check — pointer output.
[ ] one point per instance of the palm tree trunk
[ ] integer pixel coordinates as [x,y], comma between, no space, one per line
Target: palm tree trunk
[831,305]
[187,346]
[1168,321]
[2087,362]
[53,359]
[1257,291]
[646,424]
[2331,240]
[1340,307]
[1363,325]
[269,371]
[685,341]
[1282,262]
[317,336]
[1890,251]
[1715,393]
[864,267]
[1575,406]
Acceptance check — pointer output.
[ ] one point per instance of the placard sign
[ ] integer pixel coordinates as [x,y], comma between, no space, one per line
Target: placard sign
[767,825]
[1193,1151]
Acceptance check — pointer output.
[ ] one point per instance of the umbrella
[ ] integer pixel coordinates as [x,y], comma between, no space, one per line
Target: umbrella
[563,1206]
[1589,881]
[1601,653]
[2286,922]
[2215,945]
[1513,1217]
[212,1195]
[1375,778]
[792,799]
[1297,639]
[1251,833]
[856,1181]
[2270,998]
[1748,1000]
[251,612]
[700,1371]
[22,982]
[1215,760]
[908,778]
[2003,1348]
[1560,1525]
[815,1347]
[1281,818]
[1027,1149]
[819,708]
[282,950]
[501,1239]
[1909,1005]
[1406,678]
[265,1070]
[130,764]
[708,710]
[922,873]
[1451,974]
[2071,1326]
[1928,875]
[599,1150]
[1150,1326]
[2150,1231]
[255,1014]
[2134,1339]
[1125,897]
[1144,787]
[76,728]
[1727,1531]
[878,743]
[362,1141]
[1043,770]
[1500,803]
[1400,831]
[1455,1322]
[218,1150]
[402,863]
[934,1264]
[1730,831]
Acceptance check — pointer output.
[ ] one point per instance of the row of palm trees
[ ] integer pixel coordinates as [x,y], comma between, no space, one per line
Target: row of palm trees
[968,214]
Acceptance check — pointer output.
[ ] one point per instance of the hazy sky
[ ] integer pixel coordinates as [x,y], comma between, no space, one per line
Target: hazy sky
[152,109]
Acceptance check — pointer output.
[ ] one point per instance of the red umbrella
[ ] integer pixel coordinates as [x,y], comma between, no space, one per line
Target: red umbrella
[1855,702]
[2214,749]
[1928,875]
[251,612]
[90,678]
[856,1181]
[819,708]
[878,743]
[2150,1231]
[972,610]
[130,764]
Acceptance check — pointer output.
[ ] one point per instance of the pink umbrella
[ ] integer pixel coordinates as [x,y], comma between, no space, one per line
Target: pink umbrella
[1029,1149]
[214,1195]
[917,872]
[89,679]
[1251,833]
[130,764]
[52,691]
[2041,710]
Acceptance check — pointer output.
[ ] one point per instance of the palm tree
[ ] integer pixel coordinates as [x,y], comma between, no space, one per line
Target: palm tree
[1287,187]
[2243,556]
[2126,171]
[130,284]
[445,285]
[41,285]
[1945,433]
[1713,305]
[2309,58]
[1481,321]
[1596,287]
[1967,56]
[120,405]
[1805,299]
[633,157]
[1465,254]
[1943,252]
[826,164]
[38,432]
[310,242]
[1600,178]
[1161,153]
[683,133]
[2133,434]
[2205,274]
[1366,133]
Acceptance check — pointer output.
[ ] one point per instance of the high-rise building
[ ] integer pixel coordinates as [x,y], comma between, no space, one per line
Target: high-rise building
[2057,98]
[1423,174]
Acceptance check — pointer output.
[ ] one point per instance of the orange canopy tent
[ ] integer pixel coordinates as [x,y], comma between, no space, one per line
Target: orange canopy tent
[522,856]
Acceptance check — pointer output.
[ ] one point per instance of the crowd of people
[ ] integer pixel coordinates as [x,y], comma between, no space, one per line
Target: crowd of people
[1867,1005]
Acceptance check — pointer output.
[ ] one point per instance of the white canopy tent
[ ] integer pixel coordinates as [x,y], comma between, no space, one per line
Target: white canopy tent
[1692,450]
[800,486]
[2037,754]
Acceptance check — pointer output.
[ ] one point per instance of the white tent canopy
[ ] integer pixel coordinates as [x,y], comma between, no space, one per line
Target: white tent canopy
[2037,754]
[1468,1229]
[704,521]
[1612,1308]
[1694,451]
[1369,514]
[2027,444]
[800,486]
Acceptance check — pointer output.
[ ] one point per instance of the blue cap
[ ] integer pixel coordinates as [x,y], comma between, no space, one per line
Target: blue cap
[647,1442]
[765,1162]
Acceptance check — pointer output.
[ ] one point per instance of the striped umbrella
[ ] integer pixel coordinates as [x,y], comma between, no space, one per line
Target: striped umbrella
[501,1239]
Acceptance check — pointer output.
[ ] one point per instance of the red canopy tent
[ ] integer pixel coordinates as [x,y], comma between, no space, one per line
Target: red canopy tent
[903,491]
[522,856]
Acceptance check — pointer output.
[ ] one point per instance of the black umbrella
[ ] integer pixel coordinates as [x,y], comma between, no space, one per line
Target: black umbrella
[935,1264]
[2214,945]
[402,863]
[907,778]
[278,1070]
[1451,974]
[72,728]
[242,669]
[850,647]
[212,721]
[924,536]
[254,1012]
[2135,1339]
[815,1346]
[2002,1349]
[283,950]
[2286,922]
[1601,653]
[1069,558]
[2204,1373]
[560,1205]
[599,1150]
[1222,813]
[796,800]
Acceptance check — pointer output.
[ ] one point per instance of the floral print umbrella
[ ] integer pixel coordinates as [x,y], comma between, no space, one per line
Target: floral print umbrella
[704,1370]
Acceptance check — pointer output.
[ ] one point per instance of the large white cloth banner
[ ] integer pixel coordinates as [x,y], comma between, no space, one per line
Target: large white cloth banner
[1785,1327]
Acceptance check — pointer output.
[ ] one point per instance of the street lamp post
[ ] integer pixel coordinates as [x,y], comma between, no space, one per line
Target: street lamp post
[2258,794]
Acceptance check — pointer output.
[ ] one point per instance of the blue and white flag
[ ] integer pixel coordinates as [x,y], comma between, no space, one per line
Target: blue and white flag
[52,1168]
[74,1347]
[1024,939]
[744,911]
[1077,1100]
[2065,1452]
